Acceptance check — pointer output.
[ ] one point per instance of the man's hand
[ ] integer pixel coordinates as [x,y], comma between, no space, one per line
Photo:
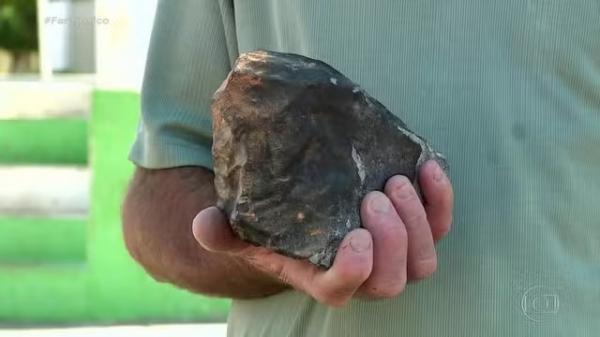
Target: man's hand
[395,245]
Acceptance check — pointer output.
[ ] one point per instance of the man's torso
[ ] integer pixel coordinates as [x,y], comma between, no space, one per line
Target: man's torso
[510,91]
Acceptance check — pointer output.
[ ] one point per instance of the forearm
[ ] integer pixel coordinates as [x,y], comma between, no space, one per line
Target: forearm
[157,220]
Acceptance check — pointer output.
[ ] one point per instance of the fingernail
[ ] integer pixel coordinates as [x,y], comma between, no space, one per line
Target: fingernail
[380,203]
[438,173]
[360,243]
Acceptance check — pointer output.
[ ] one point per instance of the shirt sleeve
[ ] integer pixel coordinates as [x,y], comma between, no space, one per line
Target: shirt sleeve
[191,50]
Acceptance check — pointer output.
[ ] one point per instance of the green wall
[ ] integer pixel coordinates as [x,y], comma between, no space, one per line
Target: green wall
[27,240]
[46,141]
[77,272]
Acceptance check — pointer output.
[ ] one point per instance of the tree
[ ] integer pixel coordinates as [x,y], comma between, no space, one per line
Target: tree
[18,29]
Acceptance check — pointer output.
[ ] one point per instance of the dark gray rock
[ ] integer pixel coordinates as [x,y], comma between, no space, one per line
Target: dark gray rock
[296,147]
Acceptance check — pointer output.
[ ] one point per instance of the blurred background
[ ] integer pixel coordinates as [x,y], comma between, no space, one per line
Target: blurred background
[70,76]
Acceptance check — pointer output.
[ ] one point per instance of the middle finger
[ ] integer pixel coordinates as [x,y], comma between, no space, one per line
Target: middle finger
[422,259]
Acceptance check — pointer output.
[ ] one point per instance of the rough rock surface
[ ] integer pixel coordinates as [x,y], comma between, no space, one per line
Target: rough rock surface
[296,147]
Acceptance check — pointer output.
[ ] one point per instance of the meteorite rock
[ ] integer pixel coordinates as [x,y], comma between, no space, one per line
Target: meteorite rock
[296,147]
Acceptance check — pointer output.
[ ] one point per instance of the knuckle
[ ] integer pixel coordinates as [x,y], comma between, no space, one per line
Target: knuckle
[448,199]
[415,218]
[342,286]
[257,258]
[283,276]
[400,187]
[355,274]
[441,194]
[332,297]
[424,251]
[446,194]
[424,268]
[397,180]
[387,291]
[393,231]
[442,231]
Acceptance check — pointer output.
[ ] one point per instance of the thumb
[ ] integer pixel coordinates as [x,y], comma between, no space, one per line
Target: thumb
[213,232]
